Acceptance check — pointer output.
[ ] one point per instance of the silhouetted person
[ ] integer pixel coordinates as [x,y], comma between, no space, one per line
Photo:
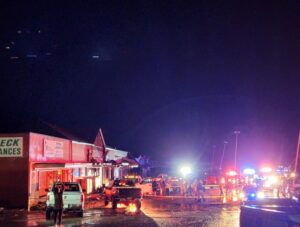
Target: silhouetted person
[154,187]
[58,203]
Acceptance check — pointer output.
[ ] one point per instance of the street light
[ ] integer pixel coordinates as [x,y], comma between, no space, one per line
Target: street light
[236,146]
[223,152]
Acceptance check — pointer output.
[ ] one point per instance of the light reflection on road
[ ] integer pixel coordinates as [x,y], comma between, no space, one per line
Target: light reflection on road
[191,214]
[154,213]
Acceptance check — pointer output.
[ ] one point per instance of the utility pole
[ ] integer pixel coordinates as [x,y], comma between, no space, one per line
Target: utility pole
[236,146]
[213,157]
[296,160]
[222,157]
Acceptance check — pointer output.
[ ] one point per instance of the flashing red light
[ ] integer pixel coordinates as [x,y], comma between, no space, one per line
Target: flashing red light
[231,173]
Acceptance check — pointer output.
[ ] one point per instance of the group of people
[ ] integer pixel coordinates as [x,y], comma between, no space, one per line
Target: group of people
[168,187]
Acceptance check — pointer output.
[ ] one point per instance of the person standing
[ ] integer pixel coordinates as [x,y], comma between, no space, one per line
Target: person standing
[183,188]
[58,203]
[168,187]
[154,187]
[163,188]
[194,188]
[200,190]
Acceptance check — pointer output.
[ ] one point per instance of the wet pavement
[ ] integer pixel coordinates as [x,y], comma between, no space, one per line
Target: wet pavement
[154,213]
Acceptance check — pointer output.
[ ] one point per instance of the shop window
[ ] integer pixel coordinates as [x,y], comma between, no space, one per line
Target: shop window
[107,173]
[83,172]
[90,172]
[76,172]
[98,182]
[116,173]
[89,186]
[112,173]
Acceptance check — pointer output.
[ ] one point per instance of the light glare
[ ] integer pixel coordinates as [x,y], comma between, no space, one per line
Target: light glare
[249,171]
[185,170]
[266,169]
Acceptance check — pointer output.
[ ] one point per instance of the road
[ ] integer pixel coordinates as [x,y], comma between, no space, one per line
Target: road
[154,213]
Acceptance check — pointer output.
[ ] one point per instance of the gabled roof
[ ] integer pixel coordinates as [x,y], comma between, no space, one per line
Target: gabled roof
[99,140]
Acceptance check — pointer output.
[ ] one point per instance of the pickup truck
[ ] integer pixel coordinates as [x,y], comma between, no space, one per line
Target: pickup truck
[73,199]
[122,192]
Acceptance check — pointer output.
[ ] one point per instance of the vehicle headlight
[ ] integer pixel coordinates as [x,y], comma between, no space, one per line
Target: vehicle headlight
[242,195]
[260,195]
[132,207]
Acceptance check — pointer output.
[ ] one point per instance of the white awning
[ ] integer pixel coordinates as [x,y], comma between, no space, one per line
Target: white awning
[60,166]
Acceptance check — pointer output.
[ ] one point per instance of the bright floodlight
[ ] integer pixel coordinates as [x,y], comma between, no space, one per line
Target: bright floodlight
[185,170]
[266,169]
[249,171]
[260,195]
[273,179]
[231,173]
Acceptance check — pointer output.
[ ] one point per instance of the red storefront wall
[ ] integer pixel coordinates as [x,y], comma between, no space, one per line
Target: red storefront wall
[94,156]
[61,162]
[45,159]
[14,175]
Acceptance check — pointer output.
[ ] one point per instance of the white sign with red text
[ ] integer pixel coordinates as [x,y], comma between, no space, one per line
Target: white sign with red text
[53,149]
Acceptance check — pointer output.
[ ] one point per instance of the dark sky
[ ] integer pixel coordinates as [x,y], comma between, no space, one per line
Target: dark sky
[161,78]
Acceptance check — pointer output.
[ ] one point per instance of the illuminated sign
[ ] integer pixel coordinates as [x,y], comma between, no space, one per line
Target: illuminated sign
[11,147]
[53,149]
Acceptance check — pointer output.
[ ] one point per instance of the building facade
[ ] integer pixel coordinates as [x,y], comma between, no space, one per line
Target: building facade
[32,162]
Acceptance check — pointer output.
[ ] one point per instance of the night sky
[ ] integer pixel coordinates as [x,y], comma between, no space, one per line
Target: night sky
[168,79]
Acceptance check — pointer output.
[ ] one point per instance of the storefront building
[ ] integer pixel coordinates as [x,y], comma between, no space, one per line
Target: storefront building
[32,162]
[122,166]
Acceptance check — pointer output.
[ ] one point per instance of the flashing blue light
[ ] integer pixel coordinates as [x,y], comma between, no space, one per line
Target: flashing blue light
[252,195]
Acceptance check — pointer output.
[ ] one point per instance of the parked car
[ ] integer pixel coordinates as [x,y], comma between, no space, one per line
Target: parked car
[73,199]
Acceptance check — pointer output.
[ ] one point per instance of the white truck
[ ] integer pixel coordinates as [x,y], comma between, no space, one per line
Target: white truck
[73,199]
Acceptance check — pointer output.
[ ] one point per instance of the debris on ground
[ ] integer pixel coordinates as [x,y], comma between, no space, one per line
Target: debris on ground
[39,206]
